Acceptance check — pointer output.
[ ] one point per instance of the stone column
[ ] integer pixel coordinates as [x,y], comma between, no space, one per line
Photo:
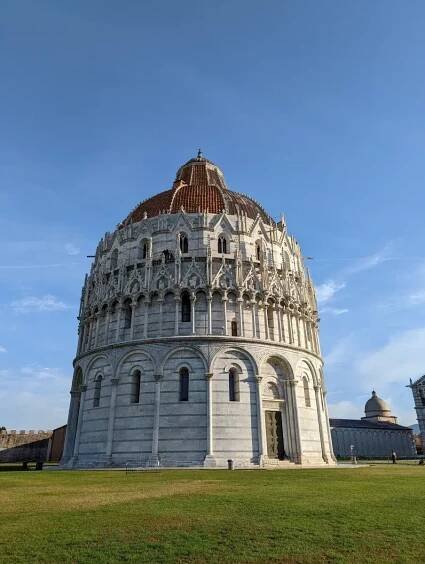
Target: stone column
[319,419]
[261,424]
[118,327]
[71,428]
[241,320]
[161,303]
[79,423]
[192,305]
[146,319]
[289,421]
[111,418]
[224,301]
[154,458]
[209,303]
[266,322]
[176,319]
[328,427]
[108,316]
[133,319]
[96,329]
[254,325]
[278,310]
[296,422]
[209,458]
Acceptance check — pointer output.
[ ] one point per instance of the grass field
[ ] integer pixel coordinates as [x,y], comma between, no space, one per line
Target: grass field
[373,514]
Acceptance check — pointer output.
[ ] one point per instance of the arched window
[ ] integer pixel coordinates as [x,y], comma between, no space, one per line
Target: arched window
[186,307]
[135,386]
[222,245]
[144,249]
[233,385]
[127,314]
[234,326]
[184,243]
[114,259]
[184,384]
[307,399]
[97,390]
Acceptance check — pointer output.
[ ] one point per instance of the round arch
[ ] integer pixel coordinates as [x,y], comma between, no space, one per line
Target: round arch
[240,350]
[184,348]
[131,353]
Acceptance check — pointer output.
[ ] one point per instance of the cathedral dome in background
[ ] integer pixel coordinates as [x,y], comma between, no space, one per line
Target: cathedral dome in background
[376,406]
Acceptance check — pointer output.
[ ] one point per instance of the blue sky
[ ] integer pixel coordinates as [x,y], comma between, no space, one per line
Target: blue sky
[314,108]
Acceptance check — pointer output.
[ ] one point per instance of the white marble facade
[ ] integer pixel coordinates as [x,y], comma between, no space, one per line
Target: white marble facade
[418,391]
[198,343]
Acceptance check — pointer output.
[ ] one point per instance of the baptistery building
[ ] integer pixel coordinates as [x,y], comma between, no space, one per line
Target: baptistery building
[198,338]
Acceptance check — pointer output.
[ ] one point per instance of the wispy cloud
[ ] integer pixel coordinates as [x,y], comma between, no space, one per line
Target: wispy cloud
[30,304]
[2,349]
[401,358]
[371,261]
[71,249]
[345,409]
[334,310]
[326,291]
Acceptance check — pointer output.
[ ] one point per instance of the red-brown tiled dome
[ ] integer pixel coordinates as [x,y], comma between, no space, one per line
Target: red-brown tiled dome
[199,187]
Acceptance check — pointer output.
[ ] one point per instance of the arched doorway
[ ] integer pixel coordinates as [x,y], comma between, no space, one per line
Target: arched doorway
[274,411]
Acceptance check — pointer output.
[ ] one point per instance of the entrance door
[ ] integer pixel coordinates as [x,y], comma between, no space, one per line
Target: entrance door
[274,435]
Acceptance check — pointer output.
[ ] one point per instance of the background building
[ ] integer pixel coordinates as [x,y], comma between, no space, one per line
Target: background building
[374,436]
[198,338]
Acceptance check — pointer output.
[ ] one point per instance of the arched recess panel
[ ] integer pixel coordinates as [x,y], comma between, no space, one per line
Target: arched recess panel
[308,415]
[247,317]
[139,318]
[134,421]
[201,314]
[232,313]
[217,312]
[183,431]
[168,315]
[153,317]
[94,422]
[235,428]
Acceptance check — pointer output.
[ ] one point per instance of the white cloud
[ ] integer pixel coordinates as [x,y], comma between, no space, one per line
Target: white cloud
[370,261]
[326,291]
[34,397]
[345,410]
[334,310]
[416,298]
[397,361]
[341,353]
[2,349]
[71,249]
[32,304]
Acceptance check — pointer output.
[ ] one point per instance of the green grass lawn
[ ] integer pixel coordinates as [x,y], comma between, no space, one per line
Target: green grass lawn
[373,514]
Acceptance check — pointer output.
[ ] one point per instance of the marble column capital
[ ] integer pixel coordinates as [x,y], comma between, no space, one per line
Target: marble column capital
[158,377]
[208,375]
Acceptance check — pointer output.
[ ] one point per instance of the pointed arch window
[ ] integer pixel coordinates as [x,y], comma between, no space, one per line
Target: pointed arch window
[97,390]
[234,327]
[186,307]
[233,385]
[127,314]
[184,243]
[136,378]
[144,249]
[222,245]
[184,384]
[307,399]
